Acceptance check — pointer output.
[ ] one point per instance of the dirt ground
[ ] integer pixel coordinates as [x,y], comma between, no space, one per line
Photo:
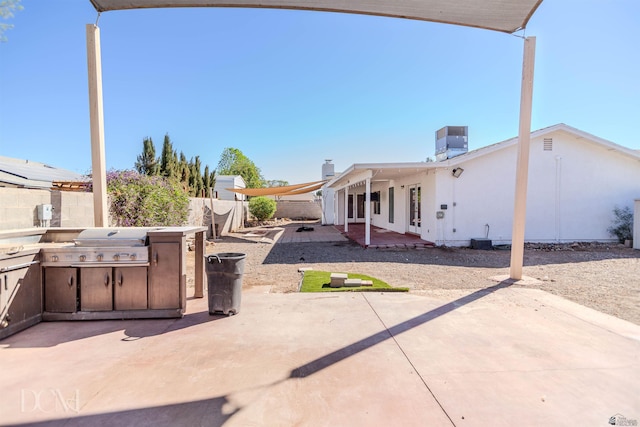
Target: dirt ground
[605,277]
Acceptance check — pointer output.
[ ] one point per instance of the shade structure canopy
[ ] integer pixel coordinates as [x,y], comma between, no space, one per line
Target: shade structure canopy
[499,15]
[506,16]
[285,190]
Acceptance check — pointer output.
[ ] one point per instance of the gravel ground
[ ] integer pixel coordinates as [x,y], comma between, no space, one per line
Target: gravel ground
[603,277]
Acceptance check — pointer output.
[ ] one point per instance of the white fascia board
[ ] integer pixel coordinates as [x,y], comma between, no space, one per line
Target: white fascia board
[611,146]
[538,134]
[356,176]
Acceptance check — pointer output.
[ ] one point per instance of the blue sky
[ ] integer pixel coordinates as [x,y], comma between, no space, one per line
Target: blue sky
[292,88]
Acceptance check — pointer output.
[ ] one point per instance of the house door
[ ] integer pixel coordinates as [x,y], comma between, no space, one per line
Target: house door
[415,213]
[355,211]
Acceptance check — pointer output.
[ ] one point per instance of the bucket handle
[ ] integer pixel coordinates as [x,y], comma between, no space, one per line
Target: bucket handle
[216,257]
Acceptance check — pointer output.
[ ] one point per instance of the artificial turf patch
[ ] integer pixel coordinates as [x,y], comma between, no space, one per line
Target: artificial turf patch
[319,281]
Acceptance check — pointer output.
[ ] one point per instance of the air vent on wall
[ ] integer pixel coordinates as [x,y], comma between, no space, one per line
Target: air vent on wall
[547,144]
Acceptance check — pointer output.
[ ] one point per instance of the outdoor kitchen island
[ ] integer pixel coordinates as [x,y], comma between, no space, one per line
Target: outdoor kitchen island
[96,273]
[120,273]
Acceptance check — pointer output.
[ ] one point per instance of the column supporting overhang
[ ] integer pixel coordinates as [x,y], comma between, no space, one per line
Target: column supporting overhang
[346,209]
[522,166]
[98,163]
[367,212]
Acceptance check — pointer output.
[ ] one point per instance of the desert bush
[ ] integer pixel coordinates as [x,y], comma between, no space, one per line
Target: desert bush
[622,226]
[137,200]
[262,208]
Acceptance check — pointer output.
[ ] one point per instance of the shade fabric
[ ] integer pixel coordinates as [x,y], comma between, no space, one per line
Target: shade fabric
[301,190]
[279,191]
[500,15]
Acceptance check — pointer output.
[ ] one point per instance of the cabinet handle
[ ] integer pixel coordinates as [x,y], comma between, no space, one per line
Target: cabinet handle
[155,259]
[120,279]
[6,279]
[70,282]
[106,279]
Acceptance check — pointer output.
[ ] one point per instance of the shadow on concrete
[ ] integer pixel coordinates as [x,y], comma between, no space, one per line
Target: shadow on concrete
[370,341]
[212,412]
[50,334]
[217,411]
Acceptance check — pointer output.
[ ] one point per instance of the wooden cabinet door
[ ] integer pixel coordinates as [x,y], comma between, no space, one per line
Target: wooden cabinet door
[96,293]
[60,289]
[130,288]
[164,276]
[27,295]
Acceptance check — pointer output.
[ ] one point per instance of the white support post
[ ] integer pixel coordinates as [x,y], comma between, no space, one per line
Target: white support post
[522,167]
[336,208]
[98,163]
[367,212]
[346,209]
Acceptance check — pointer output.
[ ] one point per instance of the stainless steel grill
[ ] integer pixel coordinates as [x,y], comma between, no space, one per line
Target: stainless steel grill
[101,248]
[105,270]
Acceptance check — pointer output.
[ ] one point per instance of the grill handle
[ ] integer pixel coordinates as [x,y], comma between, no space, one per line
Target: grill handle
[18,266]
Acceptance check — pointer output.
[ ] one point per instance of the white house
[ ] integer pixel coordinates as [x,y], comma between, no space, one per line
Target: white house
[575,181]
[224,182]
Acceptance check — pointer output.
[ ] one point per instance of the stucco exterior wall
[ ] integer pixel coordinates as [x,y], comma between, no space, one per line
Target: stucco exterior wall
[575,181]
[482,195]
[572,191]
[228,181]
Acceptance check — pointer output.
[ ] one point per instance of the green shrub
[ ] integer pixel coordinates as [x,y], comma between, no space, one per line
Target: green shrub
[262,208]
[137,200]
[622,226]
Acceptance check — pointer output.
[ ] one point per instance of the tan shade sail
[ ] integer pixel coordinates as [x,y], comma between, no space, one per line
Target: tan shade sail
[302,190]
[500,15]
[279,191]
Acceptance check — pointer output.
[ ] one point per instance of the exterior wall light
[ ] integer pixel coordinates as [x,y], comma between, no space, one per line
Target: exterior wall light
[457,172]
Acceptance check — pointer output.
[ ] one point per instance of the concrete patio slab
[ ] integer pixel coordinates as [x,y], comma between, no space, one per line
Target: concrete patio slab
[500,356]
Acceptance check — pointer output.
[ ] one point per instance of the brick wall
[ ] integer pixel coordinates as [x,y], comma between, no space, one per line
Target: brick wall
[19,208]
[298,209]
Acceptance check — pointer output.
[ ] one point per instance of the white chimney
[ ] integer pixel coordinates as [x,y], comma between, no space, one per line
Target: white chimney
[328,170]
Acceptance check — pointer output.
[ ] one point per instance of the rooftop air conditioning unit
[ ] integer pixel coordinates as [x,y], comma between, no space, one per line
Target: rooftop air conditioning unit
[451,141]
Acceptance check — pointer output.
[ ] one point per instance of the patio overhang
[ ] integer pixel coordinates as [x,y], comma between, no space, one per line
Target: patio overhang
[359,172]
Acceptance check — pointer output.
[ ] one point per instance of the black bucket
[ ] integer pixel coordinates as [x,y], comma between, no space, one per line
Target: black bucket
[224,282]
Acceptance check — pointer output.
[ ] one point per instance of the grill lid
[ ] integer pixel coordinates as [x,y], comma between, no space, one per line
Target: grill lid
[108,237]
